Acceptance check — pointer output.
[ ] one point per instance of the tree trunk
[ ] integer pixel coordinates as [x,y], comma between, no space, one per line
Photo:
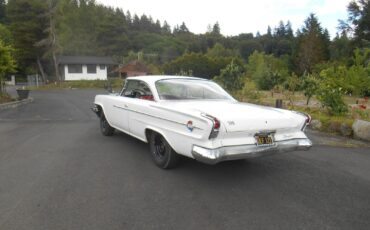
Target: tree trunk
[308,100]
[56,67]
[53,42]
[41,68]
[1,86]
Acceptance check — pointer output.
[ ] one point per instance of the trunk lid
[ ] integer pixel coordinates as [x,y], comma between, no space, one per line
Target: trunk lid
[242,117]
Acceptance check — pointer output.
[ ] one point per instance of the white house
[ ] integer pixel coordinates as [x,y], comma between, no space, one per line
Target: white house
[84,67]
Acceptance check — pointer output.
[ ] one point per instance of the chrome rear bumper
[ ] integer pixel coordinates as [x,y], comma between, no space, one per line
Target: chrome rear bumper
[213,156]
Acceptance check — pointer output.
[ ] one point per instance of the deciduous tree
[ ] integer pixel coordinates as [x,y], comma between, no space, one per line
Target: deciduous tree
[7,62]
[5,35]
[310,86]
[266,70]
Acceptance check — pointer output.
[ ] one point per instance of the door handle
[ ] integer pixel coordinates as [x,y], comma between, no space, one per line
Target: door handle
[126,106]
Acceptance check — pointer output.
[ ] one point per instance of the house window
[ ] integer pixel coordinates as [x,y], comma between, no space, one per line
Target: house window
[102,67]
[74,68]
[91,68]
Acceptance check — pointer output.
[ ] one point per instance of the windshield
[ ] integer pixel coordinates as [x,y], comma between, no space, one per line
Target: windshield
[190,89]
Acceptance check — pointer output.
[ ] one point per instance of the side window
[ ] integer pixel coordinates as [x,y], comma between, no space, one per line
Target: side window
[129,86]
[137,89]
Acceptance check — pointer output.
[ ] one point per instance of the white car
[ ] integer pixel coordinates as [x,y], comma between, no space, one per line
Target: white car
[196,118]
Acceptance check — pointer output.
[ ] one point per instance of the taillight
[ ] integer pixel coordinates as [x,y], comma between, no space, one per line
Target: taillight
[216,124]
[308,119]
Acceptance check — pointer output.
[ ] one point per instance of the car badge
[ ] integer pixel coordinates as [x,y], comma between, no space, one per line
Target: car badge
[231,123]
[190,126]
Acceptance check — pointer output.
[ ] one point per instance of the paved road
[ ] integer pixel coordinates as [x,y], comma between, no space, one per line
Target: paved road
[58,172]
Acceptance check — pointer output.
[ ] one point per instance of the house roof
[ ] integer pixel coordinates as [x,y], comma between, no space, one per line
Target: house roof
[133,66]
[85,60]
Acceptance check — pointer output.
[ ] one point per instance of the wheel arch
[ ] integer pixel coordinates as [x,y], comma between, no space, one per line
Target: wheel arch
[101,112]
[149,130]
[99,108]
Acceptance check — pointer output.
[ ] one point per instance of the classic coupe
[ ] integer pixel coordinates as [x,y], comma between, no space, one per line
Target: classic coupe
[196,118]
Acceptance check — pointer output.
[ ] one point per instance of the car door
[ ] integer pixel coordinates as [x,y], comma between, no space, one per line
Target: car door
[120,106]
[139,109]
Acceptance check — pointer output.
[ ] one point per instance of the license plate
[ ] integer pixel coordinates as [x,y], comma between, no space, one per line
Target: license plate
[264,140]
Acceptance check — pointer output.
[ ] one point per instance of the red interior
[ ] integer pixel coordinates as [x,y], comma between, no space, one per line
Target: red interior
[148,97]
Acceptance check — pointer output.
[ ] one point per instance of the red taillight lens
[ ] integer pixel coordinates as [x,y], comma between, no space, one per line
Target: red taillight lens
[308,119]
[216,123]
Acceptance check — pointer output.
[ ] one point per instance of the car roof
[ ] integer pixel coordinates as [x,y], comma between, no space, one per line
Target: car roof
[154,78]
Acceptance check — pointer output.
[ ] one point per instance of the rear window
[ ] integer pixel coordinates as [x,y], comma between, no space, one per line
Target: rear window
[190,89]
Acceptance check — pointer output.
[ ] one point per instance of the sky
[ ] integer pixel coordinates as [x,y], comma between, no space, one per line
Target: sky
[237,16]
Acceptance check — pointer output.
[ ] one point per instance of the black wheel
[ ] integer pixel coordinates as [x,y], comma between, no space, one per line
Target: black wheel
[163,155]
[105,128]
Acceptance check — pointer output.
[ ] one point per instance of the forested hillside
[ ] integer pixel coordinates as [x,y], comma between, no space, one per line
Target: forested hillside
[39,30]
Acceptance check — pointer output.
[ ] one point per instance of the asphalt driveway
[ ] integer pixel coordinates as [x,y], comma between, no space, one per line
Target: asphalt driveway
[58,172]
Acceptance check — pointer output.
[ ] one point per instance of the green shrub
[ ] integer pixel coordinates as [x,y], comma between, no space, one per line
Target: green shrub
[331,98]
[231,77]
[267,70]
[353,80]
[250,92]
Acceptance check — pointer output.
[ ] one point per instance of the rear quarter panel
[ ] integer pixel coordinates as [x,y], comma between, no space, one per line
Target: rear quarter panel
[170,124]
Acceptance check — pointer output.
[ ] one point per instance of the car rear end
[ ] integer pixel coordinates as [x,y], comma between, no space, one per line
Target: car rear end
[239,137]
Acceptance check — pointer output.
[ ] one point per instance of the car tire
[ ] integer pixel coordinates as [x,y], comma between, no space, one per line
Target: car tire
[162,153]
[105,127]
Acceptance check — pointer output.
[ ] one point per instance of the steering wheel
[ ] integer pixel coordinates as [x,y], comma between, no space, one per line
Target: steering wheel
[136,93]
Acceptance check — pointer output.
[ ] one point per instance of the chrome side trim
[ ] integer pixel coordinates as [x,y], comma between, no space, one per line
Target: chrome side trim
[161,118]
[175,111]
[119,107]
